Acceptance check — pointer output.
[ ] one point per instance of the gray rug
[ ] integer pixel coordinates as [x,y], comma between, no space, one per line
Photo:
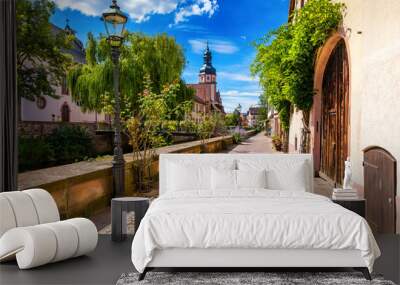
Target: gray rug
[243,278]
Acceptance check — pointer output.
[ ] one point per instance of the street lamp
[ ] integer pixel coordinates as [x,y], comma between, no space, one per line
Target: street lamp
[114,21]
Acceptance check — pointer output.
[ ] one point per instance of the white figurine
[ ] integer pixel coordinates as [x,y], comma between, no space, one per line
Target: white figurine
[347,174]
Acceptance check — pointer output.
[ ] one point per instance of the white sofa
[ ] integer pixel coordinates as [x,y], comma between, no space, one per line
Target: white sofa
[31,230]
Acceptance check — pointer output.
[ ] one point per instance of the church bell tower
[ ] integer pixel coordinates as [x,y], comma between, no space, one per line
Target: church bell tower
[207,72]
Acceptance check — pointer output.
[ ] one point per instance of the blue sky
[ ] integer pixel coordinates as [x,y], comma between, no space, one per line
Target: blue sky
[230,26]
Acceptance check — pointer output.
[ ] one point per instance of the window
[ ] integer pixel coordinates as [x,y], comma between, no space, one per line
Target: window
[41,102]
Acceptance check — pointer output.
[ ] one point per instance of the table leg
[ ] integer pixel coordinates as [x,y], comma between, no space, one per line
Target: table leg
[140,211]
[116,219]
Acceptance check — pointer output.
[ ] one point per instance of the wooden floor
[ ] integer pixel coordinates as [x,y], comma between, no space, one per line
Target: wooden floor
[106,264]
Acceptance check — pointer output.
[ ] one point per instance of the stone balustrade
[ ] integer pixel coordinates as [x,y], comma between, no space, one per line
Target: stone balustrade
[84,188]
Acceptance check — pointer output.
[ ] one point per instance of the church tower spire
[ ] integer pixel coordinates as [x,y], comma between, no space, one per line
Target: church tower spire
[207,73]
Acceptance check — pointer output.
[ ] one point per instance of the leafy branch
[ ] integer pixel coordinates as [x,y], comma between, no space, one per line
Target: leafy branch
[285,59]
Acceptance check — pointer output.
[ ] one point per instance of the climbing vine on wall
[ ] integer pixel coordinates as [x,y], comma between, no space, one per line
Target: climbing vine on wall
[285,58]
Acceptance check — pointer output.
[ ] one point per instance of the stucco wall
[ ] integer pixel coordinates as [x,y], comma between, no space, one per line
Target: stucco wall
[375,78]
[30,111]
[371,30]
[296,125]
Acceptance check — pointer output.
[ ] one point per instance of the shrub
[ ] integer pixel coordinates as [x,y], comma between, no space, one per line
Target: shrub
[237,138]
[277,142]
[71,144]
[34,153]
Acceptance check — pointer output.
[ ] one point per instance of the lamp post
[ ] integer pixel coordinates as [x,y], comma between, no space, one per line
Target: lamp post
[114,21]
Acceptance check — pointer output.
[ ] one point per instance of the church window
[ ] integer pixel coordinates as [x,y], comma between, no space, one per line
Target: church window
[41,102]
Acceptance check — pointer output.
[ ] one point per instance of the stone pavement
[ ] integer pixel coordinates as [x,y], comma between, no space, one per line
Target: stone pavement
[259,143]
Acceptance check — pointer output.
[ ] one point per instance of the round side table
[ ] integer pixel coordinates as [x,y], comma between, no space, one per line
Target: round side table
[119,208]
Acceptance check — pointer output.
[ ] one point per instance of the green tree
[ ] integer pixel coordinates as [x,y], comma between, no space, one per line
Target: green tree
[147,130]
[158,57]
[41,58]
[232,119]
[285,60]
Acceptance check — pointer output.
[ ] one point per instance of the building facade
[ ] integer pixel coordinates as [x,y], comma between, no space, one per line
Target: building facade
[207,98]
[253,116]
[356,106]
[63,108]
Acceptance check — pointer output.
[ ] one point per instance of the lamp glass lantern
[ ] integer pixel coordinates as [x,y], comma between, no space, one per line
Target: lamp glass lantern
[114,21]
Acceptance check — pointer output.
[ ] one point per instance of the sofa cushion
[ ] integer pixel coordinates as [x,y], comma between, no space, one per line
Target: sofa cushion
[7,220]
[24,211]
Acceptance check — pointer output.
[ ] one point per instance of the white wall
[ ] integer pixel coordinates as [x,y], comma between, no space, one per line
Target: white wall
[30,111]
[296,125]
[374,78]
[372,30]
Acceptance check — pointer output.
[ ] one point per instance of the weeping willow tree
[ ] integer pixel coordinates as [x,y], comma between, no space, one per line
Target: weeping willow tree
[285,60]
[158,57]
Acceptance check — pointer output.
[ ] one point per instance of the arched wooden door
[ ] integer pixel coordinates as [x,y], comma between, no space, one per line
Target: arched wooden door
[335,114]
[65,111]
[379,189]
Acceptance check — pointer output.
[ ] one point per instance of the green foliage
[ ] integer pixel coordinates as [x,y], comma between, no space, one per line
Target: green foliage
[71,144]
[34,153]
[219,124]
[237,138]
[285,57]
[158,57]
[232,119]
[188,125]
[150,127]
[65,145]
[41,62]
[205,128]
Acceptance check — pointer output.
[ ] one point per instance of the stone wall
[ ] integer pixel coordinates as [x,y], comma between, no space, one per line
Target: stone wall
[84,188]
[102,141]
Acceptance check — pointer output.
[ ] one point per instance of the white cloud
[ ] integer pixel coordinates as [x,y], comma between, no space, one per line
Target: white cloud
[237,76]
[196,8]
[141,10]
[232,98]
[190,28]
[218,46]
[237,93]
[231,103]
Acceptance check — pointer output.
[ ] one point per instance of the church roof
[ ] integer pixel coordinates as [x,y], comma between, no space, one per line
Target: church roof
[207,67]
[77,50]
